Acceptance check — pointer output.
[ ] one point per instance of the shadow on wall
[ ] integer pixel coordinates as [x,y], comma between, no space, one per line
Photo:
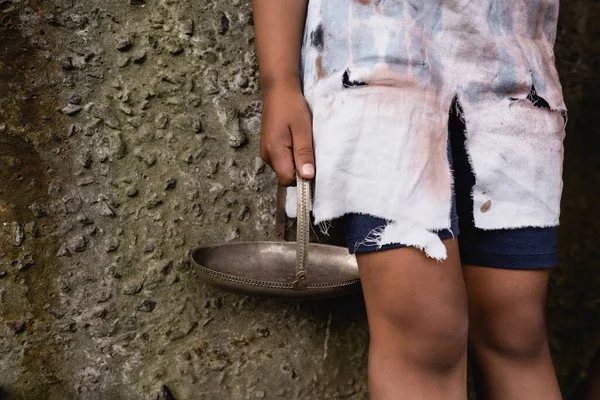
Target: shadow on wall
[574,295]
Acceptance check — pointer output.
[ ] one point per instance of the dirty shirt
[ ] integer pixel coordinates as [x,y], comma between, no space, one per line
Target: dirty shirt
[380,77]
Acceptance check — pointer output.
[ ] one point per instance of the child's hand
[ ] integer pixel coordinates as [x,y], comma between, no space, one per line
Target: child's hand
[286,137]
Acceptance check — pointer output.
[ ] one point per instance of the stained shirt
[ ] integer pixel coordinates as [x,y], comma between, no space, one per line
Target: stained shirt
[380,77]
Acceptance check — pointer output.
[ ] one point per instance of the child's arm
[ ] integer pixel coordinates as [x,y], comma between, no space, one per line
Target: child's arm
[286,137]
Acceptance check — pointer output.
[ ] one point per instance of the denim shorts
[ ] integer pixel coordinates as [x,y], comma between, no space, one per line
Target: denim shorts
[522,248]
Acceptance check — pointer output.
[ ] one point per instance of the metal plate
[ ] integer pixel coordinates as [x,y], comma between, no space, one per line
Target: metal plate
[267,269]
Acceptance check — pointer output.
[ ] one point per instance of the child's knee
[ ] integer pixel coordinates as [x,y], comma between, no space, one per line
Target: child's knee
[434,340]
[519,335]
[440,340]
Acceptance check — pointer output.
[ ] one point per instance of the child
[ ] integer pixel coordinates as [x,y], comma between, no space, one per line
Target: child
[429,118]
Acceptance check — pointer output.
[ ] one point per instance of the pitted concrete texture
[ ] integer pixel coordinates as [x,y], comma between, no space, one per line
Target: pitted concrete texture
[129,134]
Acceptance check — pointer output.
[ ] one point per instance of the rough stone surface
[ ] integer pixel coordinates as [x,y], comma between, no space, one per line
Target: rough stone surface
[129,134]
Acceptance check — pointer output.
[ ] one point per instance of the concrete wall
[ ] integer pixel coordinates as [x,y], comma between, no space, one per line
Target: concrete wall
[129,134]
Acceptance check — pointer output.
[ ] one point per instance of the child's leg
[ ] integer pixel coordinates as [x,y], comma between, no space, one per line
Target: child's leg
[508,333]
[506,273]
[417,313]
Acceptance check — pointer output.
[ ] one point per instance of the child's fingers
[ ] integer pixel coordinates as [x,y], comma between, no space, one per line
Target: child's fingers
[303,148]
[281,160]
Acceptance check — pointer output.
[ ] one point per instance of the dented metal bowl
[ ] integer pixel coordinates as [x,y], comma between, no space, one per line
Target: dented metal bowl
[267,269]
[291,270]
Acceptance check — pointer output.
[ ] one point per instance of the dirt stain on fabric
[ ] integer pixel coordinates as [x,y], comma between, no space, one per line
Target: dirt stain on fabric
[319,67]
[485,207]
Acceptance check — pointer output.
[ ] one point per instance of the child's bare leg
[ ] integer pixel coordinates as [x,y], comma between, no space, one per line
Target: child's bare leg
[508,333]
[418,322]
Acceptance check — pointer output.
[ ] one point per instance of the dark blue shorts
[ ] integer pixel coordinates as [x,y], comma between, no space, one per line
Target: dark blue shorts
[524,248]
